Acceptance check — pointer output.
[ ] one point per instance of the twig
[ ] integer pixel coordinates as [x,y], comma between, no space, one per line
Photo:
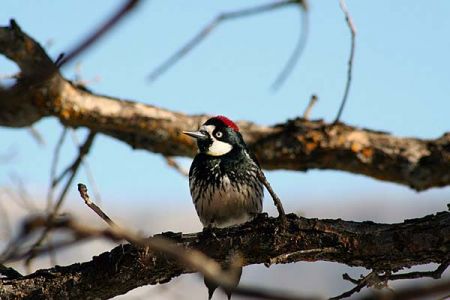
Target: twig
[54,167]
[309,108]
[374,279]
[84,149]
[97,34]
[416,291]
[36,136]
[436,274]
[87,169]
[21,194]
[352,28]
[276,199]
[298,50]
[69,168]
[59,59]
[84,194]
[200,36]
[360,284]
[174,164]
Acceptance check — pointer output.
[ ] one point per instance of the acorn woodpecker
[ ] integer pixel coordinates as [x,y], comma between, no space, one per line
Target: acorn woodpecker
[223,178]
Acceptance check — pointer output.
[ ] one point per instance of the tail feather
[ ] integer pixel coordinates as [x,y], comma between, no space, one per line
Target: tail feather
[213,286]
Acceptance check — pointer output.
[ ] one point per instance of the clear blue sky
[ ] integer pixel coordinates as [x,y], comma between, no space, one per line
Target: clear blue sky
[401,84]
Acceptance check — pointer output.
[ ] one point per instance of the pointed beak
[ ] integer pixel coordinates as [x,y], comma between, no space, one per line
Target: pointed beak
[196,134]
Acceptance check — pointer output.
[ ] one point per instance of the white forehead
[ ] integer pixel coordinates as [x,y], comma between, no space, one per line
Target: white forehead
[208,128]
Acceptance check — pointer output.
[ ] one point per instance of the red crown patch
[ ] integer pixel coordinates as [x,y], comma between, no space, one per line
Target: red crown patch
[228,123]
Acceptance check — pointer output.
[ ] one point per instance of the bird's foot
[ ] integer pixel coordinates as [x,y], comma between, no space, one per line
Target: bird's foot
[208,233]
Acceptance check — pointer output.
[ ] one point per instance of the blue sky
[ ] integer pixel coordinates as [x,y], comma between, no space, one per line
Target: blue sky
[401,85]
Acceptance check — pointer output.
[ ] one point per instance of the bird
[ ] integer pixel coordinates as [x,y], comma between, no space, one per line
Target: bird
[223,179]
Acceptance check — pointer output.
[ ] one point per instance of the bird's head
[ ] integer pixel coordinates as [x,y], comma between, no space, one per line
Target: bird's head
[217,136]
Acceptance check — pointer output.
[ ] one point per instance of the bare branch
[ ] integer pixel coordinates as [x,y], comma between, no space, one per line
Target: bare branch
[360,284]
[200,36]
[416,291]
[352,28]
[37,136]
[189,258]
[21,194]
[97,34]
[298,50]
[381,280]
[310,106]
[73,168]
[54,167]
[87,170]
[275,198]
[85,196]
[83,151]
[174,164]
[293,145]
[416,241]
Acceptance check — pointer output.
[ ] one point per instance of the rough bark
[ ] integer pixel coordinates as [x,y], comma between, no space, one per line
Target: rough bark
[375,246]
[297,144]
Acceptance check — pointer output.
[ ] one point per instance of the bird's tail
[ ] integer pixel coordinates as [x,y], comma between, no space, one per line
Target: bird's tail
[234,270]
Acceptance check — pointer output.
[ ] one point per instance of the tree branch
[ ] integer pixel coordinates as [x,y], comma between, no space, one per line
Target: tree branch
[381,247]
[297,144]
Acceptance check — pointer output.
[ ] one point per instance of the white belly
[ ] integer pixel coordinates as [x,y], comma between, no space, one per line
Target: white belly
[226,205]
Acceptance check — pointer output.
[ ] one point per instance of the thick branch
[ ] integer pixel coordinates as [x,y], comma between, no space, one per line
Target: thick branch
[294,145]
[381,247]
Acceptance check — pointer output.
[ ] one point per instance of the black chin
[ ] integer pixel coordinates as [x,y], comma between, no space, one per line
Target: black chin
[204,144]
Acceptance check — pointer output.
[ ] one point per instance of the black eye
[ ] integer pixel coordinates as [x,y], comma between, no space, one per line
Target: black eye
[218,134]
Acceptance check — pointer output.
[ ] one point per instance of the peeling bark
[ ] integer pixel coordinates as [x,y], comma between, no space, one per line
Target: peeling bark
[382,247]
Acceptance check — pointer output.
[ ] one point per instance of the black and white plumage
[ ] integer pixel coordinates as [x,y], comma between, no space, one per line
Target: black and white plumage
[223,179]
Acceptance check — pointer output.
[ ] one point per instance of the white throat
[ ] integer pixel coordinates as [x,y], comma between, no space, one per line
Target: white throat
[217,148]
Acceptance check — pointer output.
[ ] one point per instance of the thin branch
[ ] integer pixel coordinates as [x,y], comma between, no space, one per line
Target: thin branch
[97,34]
[310,106]
[174,164]
[436,274]
[37,136]
[84,150]
[360,284]
[381,280]
[54,167]
[82,189]
[200,36]
[352,28]
[21,194]
[276,199]
[298,50]
[416,291]
[87,169]
[58,60]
